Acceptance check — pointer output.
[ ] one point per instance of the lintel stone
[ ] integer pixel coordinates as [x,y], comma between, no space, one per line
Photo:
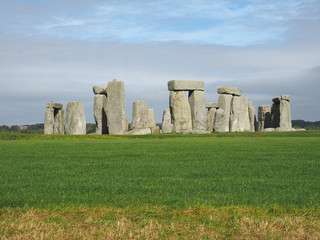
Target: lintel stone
[212,105]
[185,85]
[229,90]
[54,105]
[99,90]
[285,97]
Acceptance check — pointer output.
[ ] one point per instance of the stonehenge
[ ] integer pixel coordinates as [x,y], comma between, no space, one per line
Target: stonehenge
[277,117]
[188,112]
[54,119]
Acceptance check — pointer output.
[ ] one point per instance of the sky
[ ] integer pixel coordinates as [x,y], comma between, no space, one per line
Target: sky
[58,50]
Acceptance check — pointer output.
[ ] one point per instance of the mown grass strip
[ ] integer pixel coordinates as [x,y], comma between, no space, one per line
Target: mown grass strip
[156,222]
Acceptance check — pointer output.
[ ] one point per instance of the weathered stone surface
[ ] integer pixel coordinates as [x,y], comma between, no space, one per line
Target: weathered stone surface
[285,97]
[100,116]
[167,126]
[198,110]
[212,105]
[264,117]
[58,121]
[252,117]
[225,104]
[180,112]
[229,90]
[75,122]
[155,130]
[276,100]
[239,115]
[54,105]
[285,115]
[220,121]
[48,120]
[139,115]
[210,119]
[151,118]
[275,115]
[116,108]
[185,85]
[99,90]
[142,131]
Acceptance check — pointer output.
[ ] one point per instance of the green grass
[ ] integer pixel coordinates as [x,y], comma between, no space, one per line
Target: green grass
[176,171]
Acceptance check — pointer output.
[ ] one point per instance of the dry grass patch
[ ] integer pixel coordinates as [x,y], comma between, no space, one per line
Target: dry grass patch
[158,223]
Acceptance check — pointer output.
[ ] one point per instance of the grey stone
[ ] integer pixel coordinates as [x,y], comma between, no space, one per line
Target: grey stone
[139,115]
[212,105]
[54,105]
[100,116]
[252,117]
[49,120]
[155,130]
[285,97]
[151,118]
[225,104]
[210,119]
[167,126]
[116,108]
[264,117]
[276,100]
[220,121]
[180,112]
[285,115]
[99,90]
[140,131]
[58,121]
[198,110]
[275,115]
[229,90]
[239,120]
[75,122]
[185,85]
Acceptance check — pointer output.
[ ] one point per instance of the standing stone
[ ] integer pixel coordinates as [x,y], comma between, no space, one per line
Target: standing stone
[58,121]
[220,121]
[116,108]
[252,117]
[198,110]
[180,112]
[100,116]
[225,104]
[167,126]
[151,118]
[275,113]
[239,115]
[210,119]
[48,120]
[75,118]
[139,115]
[285,114]
[264,113]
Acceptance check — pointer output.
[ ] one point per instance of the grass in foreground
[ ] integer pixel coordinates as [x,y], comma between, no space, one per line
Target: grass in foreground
[159,223]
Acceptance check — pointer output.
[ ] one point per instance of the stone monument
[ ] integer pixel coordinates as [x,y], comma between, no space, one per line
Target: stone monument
[54,119]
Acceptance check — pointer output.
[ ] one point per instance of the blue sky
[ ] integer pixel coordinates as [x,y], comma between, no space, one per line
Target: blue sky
[57,50]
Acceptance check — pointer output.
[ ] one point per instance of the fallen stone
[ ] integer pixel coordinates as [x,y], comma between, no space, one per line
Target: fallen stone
[225,104]
[167,126]
[229,90]
[210,119]
[212,105]
[100,116]
[143,131]
[198,110]
[139,115]
[185,85]
[239,119]
[75,122]
[180,112]
[99,90]
[155,130]
[54,105]
[151,118]
[116,108]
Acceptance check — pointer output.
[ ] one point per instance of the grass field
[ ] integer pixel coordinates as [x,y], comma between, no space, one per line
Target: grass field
[225,185]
